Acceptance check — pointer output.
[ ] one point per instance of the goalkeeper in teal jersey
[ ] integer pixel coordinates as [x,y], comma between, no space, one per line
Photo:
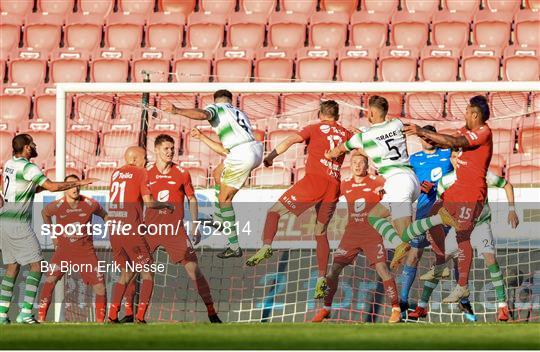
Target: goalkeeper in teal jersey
[481,240]
[242,154]
[385,144]
[21,180]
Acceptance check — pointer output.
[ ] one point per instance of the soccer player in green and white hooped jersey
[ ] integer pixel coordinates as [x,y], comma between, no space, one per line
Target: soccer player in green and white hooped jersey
[385,144]
[481,239]
[242,154]
[21,180]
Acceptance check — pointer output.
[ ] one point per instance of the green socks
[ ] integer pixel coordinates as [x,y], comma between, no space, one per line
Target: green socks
[6,292]
[498,282]
[384,228]
[30,292]
[229,227]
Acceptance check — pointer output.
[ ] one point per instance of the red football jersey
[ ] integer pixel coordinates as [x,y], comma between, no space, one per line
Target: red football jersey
[320,137]
[128,185]
[65,215]
[473,161]
[170,187]
[361,198]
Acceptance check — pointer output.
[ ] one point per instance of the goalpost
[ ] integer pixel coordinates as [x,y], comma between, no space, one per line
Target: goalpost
[281,289]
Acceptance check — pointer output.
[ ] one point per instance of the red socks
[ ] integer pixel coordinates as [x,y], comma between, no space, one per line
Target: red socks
[270,227]
[116,300]
[147,286]
[129,295]
[390,290]
[323,251]
[45,299]
[101,307]
[332,288]
[204,290]
[464,261]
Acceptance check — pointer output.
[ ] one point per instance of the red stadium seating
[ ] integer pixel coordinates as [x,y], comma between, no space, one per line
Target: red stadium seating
[246,30]
[114,143]
[504,136]
[450,29]
[5,144]
[56,7]
[14,111]
[142,7]
[497,164]
[128,112]
[102,173]
[388,7]
[349,107]
[346,6]
[109,66]
[2,70]
[506,104]
[294,156]
[424,106]
[68,66]
[10,34]
[369,29]
[165,31]
[315,65]
[526,28]
[273,65]
[298,110]
[480,64]
[492,28]
[409,30]
[502,5]
[43,31]
[287,30]
[529,135]
[199,150]
[397,64]
[523,174]
[328,29]
[423,8]
[233,65]
[199,176]
[28,68]
[258,6]
[533,4]
[92,112]
[81,145]
[177,6]
[156,62]
[124,31]
[45,145]
[356,64]
[521,64]
[165,121]
[45,110]
[217,6]
[438,64]
[19,8]
[84,31]
[50,172]
[261,110]
[205,31]
[466,6]
[395,102]
[99,7]
[271,177]
[192,65]
[305,6]
[457,104]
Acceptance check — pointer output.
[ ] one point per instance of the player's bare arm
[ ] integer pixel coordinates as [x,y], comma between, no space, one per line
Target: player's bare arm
[212,144]
[150,202]
[513,219]
[53,186]
[439,139]
[194,114]
[194,212]
[282,148]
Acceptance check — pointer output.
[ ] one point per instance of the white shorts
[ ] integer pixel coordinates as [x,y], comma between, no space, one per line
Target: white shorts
[481,240]
[400,192]
[19,243]
[239,162]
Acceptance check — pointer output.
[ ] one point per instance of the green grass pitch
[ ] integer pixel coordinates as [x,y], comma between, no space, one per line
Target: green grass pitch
[272,336]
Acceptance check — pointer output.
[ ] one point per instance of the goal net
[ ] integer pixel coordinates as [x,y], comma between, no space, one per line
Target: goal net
[96,122]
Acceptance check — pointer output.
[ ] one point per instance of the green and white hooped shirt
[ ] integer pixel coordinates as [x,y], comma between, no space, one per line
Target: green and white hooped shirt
[231,125]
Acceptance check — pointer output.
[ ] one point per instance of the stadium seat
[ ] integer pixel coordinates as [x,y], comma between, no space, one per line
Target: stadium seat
[92,112]
[10,34]
[258,6]
[356,64]
[298,110]
[114,143]
[124,31]
[535,102]
[246,30]
[315,65]
[438,64]
[409,30]
[529,135]
[480,64]
[18,8]
[192,65]
[261,109]
[156,62]
[109,66]
[492,29]
[151,138]
[388,7]
[504,135]
[395,102]
[205,30]
[521,64]
[465,6]
[177,6]
[450,29]
[457,104]
[307,7]
[217,6]
[68,66]
[502,5]
[199,175]
[14,111]
[233,65]
[56,7]
[167,122]
[128,112]
[532,4]
[424,106]
[103,174]
[346,6]
[328,29]
[397,64]
[497,164]
[505,104]
[350,106]
[524,159]
[201,151]
[98,7]
[423,8]
[272,64]
[369,30]
[81,145]
[526,28]
[84,31]
[141,7]
[43,31]
[287,30]
[523,174]
[45,145]
[51,172]
[271,177]
[45,109]
[165,31]
[2,70]
[294,156]
[28,68]
[5,144]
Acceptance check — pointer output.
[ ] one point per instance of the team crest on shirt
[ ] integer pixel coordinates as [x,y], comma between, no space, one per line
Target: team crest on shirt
[325,128]
[359,205]
[163,196]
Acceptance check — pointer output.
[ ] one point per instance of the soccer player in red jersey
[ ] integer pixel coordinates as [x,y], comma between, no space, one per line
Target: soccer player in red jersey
[362,192]
[170,183]
[74,209]
[464,200]
[129,191]
[319,188]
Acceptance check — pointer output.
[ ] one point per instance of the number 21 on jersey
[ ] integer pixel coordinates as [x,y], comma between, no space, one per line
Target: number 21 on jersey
[118,190]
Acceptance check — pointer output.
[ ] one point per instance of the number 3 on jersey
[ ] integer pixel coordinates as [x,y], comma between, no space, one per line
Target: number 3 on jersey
[118,189]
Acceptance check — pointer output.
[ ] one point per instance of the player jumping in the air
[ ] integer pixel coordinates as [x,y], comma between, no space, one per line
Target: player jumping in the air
[429,164]
[464,200]
[74,209]
[385,144]
[481,240]
[362,192]
[242,154]
[169,182]
[319,187]
[129,190]
[21,180]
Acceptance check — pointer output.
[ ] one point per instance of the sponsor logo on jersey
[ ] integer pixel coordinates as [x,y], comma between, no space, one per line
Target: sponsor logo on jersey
[162,176]
[436,174]
[325,128]
[359,205]
[171,182]
[122,175]
[163,196]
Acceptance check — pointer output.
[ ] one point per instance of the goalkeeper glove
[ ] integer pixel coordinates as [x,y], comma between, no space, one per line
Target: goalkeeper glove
[426,187]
